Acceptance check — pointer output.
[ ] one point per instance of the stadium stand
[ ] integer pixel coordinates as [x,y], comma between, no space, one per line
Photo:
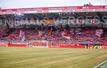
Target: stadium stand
[84,28]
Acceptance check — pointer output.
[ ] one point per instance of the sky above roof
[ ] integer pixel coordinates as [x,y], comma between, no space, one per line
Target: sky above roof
[7,4]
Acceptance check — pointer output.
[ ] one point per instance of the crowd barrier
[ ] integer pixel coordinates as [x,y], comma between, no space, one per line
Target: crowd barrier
[58,45]
[17,45]
[3,45]
[104,45]
[66,46]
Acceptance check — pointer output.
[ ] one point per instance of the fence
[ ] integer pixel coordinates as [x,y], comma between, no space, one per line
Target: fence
[51,44]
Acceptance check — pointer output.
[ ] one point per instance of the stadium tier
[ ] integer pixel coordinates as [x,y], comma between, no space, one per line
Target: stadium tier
[76,25]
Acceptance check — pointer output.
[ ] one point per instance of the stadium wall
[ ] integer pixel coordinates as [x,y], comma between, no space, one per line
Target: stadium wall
[54,46]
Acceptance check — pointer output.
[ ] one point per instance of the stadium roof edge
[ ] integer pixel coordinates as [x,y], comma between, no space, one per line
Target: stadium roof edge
[55,9]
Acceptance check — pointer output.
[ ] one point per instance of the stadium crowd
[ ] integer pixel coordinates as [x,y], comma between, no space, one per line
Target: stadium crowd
[57,35]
